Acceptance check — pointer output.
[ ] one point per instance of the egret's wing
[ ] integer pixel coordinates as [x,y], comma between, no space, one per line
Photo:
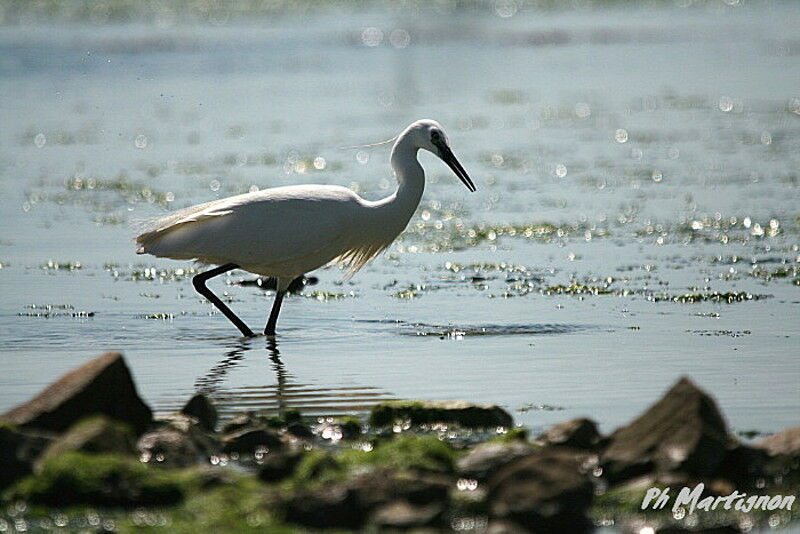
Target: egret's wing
[277,227]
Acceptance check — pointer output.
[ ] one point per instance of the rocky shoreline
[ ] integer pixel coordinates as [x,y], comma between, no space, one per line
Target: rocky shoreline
[87,454]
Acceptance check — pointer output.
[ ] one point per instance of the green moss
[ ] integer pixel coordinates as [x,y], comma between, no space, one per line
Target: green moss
[415,453]
[242,506]
[406,453]
[316,466]
[76,478]
[94,435]
[620,501]
[514,434]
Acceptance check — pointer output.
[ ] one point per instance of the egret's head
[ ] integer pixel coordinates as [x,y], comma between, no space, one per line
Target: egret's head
[429,135]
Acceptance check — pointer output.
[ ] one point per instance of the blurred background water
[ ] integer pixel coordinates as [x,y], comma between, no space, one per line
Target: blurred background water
[636,216]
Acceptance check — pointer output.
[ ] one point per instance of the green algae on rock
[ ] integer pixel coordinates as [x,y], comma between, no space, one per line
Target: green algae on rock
[76,478]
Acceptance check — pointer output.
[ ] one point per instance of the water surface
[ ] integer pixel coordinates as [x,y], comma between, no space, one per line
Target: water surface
[636,216]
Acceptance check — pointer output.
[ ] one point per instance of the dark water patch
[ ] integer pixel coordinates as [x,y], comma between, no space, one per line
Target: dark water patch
[142,272]
[533,407]
[52,265]
[271,284]
[717,333]
[712,296]
[51,314]
[157,316]
[413,291]
[324,296]
[459,332]
[752,434]
[577,289]
[47,311]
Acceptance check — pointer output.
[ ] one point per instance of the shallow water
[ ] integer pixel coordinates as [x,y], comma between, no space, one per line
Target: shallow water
[624,159]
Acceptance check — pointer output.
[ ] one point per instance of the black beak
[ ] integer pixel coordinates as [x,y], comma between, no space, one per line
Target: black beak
[448,157]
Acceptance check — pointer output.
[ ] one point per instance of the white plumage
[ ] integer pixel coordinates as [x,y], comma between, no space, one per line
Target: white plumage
[285,232]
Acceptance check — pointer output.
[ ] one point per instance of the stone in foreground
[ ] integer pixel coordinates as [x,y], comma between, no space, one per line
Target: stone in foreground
[18,451]
[578,433]
[93,435]
[450,412]
[485,459]
[542,492]
[683,432]
[203,410]
[102,386]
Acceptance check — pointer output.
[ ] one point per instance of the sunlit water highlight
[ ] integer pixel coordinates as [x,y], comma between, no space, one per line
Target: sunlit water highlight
[636,218]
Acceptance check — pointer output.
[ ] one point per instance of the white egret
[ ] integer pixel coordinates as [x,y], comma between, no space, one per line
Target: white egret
[284,232]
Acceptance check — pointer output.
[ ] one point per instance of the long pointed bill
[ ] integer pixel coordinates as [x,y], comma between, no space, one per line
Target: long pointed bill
[448,157]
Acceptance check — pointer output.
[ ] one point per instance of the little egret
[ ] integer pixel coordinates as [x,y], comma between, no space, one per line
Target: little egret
[284,232]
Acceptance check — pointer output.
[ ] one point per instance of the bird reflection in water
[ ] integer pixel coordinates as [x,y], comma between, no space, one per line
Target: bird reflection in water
[210,384]
[282,394]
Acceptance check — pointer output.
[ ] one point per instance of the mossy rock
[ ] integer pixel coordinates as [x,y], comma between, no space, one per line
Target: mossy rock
[406,453]
[459,413]
[416,453]
[95,435]
[76,478]
[241,506]
[18,450]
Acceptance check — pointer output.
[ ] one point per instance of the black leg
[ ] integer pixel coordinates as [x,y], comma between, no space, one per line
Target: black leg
[273,316]
[199,282]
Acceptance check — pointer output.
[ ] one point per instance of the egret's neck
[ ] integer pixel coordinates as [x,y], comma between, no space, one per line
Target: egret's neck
[409,174]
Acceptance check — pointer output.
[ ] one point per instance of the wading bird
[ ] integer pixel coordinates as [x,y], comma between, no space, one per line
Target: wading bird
[284,232]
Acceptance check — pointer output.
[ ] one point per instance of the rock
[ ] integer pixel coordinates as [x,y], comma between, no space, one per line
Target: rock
[785,443]
[177,440]
[18,450]
[452,412]
[742,466]
[100,480]
[203,410]
[299,430]
[486,458]
[402,515]
[380,486]
[333,506]
[349,503]
[246,441]
[239,422]
[542,492]
[169,447]
[684,431]
[97,434]
[578,433]
[278,466]
[102,386]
